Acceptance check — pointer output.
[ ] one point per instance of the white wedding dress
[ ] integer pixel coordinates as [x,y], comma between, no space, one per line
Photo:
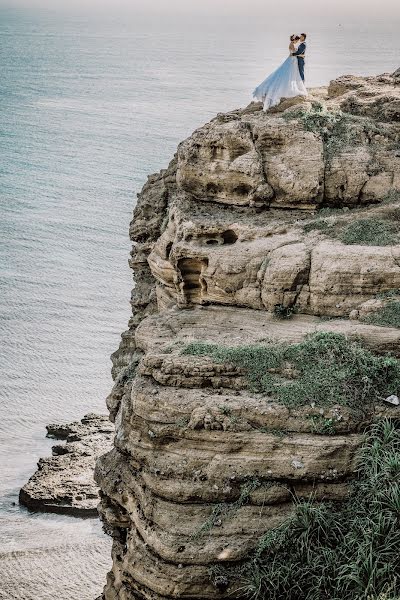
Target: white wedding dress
[285,82]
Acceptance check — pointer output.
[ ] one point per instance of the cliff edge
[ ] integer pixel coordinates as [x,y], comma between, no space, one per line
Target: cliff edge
[266,259]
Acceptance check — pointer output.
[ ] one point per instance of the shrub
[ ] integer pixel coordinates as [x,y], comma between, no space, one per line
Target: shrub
[329,369]
[370,232]
[319,119]
[335,552]
[319,225]
[392,196]
[284,312]
[129,372]
[388,316]
[365,232]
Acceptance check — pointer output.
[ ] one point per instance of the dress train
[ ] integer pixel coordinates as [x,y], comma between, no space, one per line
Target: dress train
[285,82]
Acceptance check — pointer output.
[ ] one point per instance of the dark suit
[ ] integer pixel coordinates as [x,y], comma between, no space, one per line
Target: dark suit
[300,61]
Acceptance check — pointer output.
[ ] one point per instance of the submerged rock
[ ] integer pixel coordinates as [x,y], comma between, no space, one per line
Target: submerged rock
[64,482]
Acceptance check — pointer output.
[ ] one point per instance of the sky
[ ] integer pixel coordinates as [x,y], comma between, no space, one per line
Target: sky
[306,9]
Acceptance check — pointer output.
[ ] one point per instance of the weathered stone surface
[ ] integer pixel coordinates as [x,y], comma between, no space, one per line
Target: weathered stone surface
[201,465]
[344,277]
[252,158]
[187,443]
[148,220]
[229,326]
[64,483]
[376,97]
[259,261]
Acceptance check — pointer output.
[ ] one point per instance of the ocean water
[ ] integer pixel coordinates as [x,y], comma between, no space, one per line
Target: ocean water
[89,105]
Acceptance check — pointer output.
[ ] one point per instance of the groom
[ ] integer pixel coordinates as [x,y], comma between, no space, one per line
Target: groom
[300,53]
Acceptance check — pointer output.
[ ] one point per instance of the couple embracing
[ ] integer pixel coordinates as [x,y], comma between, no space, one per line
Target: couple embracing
[288,80]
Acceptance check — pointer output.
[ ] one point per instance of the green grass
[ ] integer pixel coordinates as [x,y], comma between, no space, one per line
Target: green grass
[323,425]
[225,510]
[280,433]
[318,225]
[388,316]
[365,232]
[349,551]
[370,232]
[391,294]
[330,369]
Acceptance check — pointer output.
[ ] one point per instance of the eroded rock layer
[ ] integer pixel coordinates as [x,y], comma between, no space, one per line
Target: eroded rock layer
[231,234]
[63,483]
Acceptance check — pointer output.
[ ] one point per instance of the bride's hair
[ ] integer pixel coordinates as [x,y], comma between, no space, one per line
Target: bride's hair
[294,38]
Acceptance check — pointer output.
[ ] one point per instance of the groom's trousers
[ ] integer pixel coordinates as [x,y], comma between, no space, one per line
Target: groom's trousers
[300,62]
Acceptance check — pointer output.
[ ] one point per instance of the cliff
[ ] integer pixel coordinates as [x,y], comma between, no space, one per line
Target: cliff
[266,260]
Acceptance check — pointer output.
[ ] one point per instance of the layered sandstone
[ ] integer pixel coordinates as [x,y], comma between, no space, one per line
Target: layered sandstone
[202,466]
[63,483]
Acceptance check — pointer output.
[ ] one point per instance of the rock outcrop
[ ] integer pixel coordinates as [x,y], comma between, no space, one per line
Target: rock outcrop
[64,483]
[253,217]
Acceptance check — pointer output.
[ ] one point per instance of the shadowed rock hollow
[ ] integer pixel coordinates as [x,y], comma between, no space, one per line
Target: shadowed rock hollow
[258,214]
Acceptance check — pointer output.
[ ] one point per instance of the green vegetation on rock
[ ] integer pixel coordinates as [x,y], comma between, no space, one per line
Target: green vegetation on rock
[388,316]
[323,425]
[318,225]
[129,372]
[325,368]
[365,232]
[335,552]
[389,294]
[224,510]
[370,232]
[338,129]
[284,312]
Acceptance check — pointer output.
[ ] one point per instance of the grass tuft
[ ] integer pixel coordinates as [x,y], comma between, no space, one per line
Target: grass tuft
[389,294]
[325,368]
[224,510]
[284,312]
[388,316]
[318,225]
[335,552]
[370,232]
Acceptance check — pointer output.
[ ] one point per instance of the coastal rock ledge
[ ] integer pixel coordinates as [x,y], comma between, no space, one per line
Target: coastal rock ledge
[63,483]
[259,217]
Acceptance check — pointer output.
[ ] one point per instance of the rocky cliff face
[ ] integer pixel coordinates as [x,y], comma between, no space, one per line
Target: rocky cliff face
[293,212]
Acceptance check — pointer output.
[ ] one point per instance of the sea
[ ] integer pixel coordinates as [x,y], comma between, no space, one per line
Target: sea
[90,104]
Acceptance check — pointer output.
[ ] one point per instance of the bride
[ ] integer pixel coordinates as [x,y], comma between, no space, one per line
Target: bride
[285,82]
